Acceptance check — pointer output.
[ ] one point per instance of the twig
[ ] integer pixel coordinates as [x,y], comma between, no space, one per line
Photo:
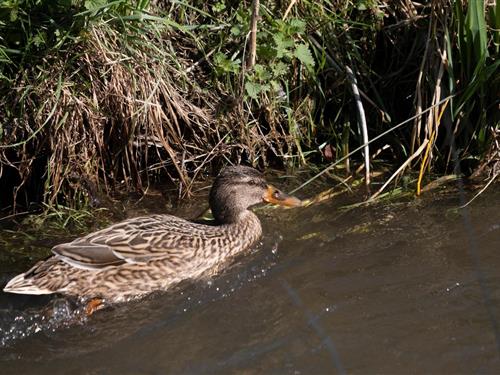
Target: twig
[339,70]
[418,90]
[16,214]
[403,166]
[374,155]
[481,191]
[434,119]
[290,6]
[253,34]
[362,122]
[371,141]
[432,138]
[210,153]
[188,70]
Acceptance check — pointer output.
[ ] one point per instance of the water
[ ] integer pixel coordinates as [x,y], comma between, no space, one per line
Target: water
[408,287]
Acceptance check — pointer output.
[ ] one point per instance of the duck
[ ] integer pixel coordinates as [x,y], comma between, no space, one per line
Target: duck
[138,256]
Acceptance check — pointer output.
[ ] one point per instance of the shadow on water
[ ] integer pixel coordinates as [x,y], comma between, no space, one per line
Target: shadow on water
[389,288]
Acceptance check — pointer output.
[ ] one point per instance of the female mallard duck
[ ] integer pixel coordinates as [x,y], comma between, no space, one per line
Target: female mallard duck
[140,255]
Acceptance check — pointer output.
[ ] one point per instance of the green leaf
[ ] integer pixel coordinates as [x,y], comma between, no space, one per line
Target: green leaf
[476,29]
[265,87]
[95,4]
[225,65]
[242,16]
[297,26]
[279,69]
[494,24]
[218,7]
[39,39]
[282,45]
[275,86]
[303,53]
[362,6]
[13,15]
[253,89]
[266,52]
[262,72]
[236,30]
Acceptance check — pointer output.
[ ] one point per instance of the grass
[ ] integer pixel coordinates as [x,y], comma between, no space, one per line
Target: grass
[100,96]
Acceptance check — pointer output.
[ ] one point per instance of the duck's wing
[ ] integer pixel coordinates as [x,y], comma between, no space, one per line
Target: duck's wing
[137,240]
[90,256]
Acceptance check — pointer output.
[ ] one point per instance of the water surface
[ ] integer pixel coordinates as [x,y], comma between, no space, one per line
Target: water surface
[406,287]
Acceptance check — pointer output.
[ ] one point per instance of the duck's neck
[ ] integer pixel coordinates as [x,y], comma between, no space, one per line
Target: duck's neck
[243,232]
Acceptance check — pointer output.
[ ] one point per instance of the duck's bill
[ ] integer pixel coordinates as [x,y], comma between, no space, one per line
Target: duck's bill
[275,196]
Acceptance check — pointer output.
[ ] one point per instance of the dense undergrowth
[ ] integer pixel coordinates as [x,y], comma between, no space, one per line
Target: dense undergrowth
[101,95]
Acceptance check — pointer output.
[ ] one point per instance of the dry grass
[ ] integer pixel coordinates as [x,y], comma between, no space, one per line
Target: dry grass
[105,113]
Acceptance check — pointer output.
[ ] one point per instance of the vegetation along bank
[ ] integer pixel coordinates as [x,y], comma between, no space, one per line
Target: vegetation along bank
[97,96]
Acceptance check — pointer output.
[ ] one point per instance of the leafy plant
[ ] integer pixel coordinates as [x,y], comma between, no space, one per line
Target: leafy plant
[472,74]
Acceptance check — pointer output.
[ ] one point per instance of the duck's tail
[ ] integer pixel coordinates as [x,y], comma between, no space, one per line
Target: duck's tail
[24,285]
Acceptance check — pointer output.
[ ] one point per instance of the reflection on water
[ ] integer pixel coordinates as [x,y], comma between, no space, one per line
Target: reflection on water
[387,289]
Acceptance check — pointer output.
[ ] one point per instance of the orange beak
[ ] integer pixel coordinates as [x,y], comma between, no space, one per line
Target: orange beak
[275,196]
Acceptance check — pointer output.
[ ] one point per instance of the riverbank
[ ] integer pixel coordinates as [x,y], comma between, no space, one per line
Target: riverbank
[98,98]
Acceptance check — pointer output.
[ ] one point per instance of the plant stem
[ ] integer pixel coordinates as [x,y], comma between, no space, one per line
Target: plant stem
[253,34]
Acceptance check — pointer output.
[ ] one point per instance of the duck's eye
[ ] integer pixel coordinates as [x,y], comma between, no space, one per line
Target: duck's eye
[254,183]
[276,194]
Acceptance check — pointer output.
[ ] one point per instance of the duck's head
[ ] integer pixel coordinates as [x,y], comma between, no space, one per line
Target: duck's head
[237,188]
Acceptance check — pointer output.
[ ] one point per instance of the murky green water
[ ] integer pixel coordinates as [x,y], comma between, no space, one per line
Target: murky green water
[395,288]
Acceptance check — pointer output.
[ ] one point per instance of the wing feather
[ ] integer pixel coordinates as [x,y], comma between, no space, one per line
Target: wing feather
[137,240]
[91,256]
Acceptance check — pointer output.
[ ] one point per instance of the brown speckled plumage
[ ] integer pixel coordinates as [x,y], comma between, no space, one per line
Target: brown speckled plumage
[140,255]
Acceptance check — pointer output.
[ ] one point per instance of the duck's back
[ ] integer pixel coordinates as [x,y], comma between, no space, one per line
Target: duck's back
[136,256]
